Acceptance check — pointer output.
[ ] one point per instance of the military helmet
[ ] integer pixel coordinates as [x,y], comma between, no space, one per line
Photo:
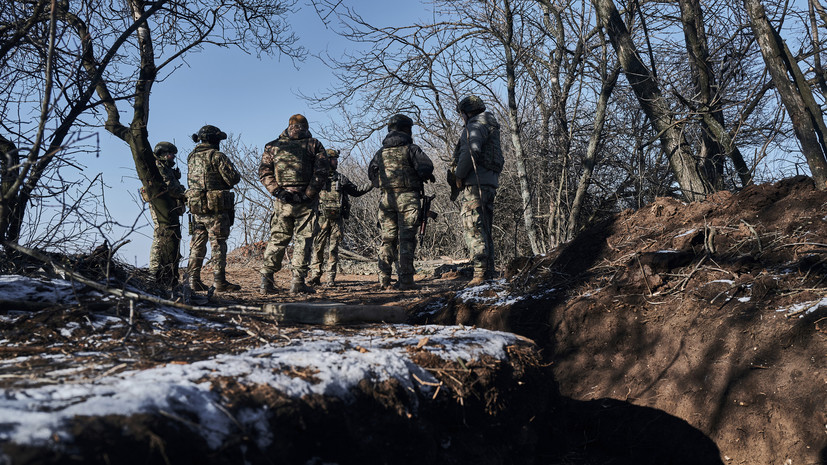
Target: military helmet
[164,148]
[471,105]
[332,153]
[400,122]
[209,133]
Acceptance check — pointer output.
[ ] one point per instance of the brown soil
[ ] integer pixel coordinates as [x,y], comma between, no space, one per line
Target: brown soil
[662,337]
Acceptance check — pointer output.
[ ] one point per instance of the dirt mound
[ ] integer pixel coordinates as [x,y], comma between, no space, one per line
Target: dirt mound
[712,311]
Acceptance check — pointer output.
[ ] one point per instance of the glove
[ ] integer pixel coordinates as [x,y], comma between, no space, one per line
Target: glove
[283,195]
[300,197]
[430,178]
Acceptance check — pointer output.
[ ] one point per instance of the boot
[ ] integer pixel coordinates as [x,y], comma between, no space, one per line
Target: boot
[267,286]
[314,280]
[406,283]
[385,282]
[299,287]
[222,285]
[195,282]
[477,281]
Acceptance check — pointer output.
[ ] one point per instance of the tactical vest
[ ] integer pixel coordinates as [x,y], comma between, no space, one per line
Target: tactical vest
[396,172]
[330,198]
[492,154]
[202,175]
[293,163]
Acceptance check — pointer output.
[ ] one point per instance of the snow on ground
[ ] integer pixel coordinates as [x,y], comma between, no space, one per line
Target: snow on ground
[25,289]
[314,361]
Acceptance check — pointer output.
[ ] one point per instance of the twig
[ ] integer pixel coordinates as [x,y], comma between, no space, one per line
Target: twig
[238,309]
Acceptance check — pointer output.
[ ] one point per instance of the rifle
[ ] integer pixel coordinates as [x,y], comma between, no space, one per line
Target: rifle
[425,214]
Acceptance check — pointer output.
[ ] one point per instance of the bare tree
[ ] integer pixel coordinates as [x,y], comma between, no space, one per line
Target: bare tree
[109,52]
[794,91]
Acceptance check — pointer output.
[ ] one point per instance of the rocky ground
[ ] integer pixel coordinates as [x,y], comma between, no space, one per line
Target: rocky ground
[679,333]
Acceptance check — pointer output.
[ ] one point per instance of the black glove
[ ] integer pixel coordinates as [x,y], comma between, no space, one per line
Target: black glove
[300,197]
[283,195]
[430,178]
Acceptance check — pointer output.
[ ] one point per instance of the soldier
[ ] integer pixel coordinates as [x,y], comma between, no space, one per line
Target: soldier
[400,169]
[334,209]
[293,168]
[211,176]
[475,170]
[166,239]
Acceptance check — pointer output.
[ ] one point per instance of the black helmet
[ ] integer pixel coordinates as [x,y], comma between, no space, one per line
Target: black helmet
[400,122]
[332,153]
[209,133]
[471,105]
[164,148]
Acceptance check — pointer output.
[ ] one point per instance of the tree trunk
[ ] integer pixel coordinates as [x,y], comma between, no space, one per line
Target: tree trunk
[525,191]
[9,171]
[591,152]
[794,91]
[690,174]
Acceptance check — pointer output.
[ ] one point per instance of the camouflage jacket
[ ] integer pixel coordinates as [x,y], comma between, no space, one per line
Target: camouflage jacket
[335,196]
[208,169]
[294,164]
[482,133]
[400,165]
[171,174]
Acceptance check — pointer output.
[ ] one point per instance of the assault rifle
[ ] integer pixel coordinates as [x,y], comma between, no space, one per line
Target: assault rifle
[425,214]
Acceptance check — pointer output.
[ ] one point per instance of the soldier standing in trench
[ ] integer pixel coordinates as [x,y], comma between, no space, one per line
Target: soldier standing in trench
[399,168]
[293,169]
[166,240]
[475,170]
[211,176]
[334,209]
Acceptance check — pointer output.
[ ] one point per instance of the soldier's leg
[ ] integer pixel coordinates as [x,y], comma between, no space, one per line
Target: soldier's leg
[489,193]
[474,232]
[304,217]
[198,250]
[389,236]
[336,233]
[281,231]
[320,241]
[219,230]
[409,206]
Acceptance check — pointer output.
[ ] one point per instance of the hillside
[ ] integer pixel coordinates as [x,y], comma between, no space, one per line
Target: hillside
[679,333]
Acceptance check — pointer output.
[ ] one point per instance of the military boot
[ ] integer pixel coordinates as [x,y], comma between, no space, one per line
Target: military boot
[406,283]
[297,286]
[384,282]
[314,280]
[222,285]
[267,287]
[477,281]
[195,282]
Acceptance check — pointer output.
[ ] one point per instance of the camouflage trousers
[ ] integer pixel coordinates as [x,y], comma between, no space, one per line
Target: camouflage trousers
[327,237]
[216,228]
[290,221]
[165,252]
[398,220]
[477,214]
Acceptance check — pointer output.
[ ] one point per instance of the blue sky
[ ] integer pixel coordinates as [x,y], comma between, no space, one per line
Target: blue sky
[241,94]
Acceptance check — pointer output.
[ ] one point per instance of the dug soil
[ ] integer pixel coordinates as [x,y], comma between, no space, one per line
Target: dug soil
[679,333]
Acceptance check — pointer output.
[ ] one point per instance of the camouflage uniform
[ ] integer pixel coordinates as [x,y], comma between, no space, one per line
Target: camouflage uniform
[478,181]
[293,168]
[399,168]
[334,209]
[166,240]
[211,176]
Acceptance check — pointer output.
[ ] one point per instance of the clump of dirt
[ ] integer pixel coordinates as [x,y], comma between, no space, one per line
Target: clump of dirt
[712,312]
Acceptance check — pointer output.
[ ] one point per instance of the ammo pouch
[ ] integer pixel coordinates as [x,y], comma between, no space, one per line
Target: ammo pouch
[220,201]
[197,201]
